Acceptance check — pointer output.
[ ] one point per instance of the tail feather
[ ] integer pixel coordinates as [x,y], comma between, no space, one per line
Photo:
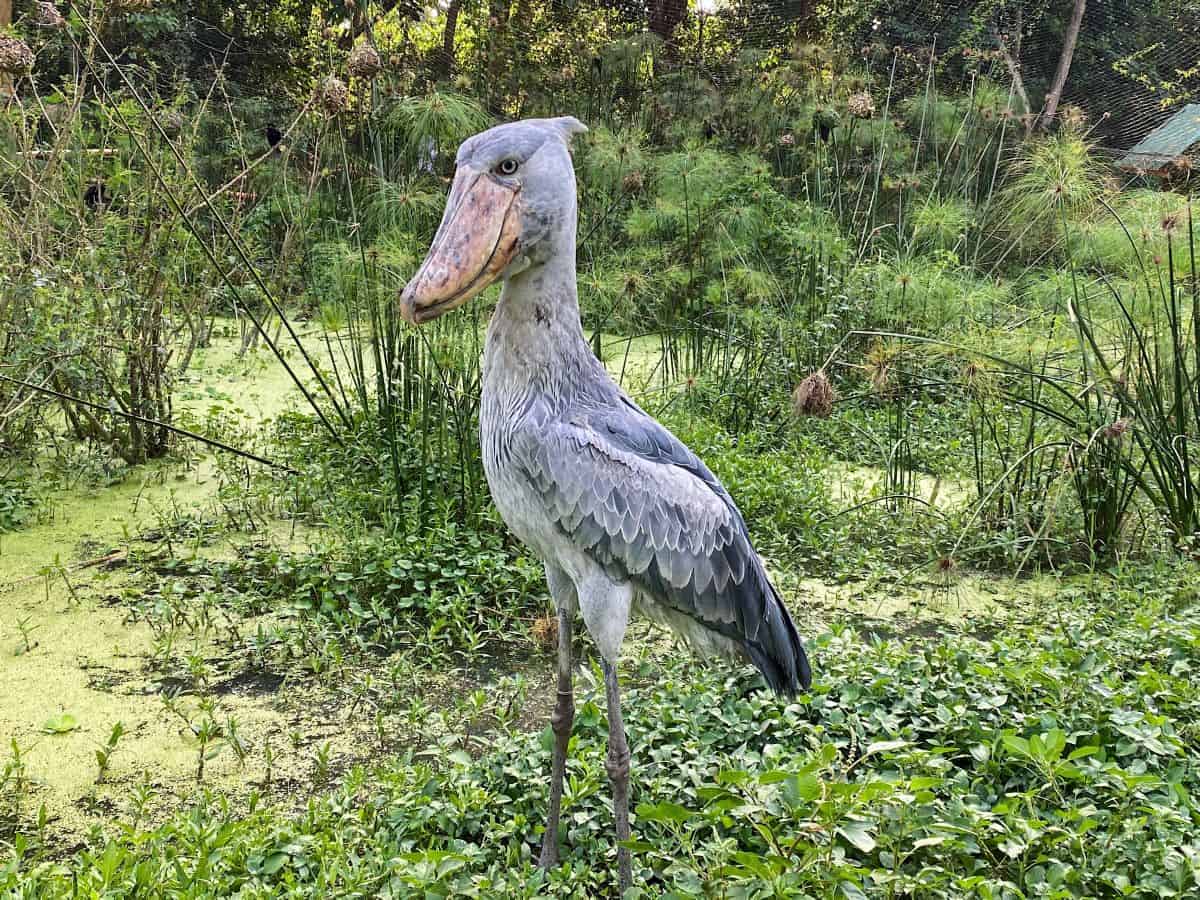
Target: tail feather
[776,649]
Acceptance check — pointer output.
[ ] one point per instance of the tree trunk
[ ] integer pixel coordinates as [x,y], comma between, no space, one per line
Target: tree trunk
[359,23]
[406,11]
[446,67]
[806,19]
[520,21]
[519,36]
[1012,59]
[1064,64]
[6,82]
[497,50]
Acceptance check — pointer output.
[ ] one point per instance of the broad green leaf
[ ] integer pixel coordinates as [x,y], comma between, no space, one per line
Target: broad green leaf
[1016,745]
[808,787]
[274,863]
[663,812]
[884,747]
[858,834]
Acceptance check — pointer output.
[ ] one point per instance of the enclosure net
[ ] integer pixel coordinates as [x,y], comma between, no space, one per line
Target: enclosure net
[1129,72]
[1133,66]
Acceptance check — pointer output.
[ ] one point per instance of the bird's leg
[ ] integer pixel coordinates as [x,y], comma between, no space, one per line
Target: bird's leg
[560,722]
[618,772]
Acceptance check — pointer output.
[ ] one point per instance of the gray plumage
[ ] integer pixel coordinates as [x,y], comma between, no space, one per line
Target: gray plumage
[624,516]
[596,486]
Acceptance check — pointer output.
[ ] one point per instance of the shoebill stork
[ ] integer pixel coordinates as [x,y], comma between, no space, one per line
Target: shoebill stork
[623,515]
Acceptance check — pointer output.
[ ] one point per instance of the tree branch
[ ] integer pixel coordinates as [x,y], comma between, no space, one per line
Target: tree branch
[1014,70]
[1064,64]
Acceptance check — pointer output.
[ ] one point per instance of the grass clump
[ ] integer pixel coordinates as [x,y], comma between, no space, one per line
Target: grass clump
[1054,181]
[1131,239]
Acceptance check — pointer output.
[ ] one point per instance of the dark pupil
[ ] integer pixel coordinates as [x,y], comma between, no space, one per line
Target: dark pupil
[508,166]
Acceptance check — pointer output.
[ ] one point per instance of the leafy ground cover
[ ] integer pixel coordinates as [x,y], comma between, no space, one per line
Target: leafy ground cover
[1040,744]
[1048,752]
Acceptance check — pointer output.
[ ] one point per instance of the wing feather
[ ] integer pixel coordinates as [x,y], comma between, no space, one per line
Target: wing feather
[644,506]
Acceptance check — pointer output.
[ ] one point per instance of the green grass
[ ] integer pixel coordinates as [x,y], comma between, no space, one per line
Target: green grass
[1050,753]
[1133,236]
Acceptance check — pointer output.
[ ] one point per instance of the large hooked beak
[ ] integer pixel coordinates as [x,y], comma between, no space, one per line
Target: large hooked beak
[476,241]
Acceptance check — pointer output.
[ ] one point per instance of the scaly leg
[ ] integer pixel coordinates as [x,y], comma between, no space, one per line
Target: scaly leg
[560,722]
[618,771]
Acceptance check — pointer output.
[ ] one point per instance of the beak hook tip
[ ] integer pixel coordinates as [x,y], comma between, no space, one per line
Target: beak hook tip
[408,308]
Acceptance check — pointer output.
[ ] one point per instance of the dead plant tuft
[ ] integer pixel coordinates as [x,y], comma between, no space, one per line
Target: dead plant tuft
[814,396]
[335,96]
[545,632]
[861,105]
[15,56]
[364,61]
[46,15]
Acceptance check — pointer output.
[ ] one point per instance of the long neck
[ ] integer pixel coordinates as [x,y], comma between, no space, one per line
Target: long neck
[535,339]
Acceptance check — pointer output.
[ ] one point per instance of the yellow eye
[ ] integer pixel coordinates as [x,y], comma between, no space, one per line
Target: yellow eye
[507,167]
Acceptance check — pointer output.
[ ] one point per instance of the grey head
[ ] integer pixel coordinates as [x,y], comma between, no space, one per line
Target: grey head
[511,207]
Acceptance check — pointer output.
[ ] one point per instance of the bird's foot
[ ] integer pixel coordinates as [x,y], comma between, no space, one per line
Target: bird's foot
[617,764]
[624,870]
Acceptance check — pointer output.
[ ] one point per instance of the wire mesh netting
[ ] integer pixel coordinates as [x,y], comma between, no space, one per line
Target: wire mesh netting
[1133,65]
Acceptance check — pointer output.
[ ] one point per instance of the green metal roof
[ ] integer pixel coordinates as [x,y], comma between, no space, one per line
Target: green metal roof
[1165,143]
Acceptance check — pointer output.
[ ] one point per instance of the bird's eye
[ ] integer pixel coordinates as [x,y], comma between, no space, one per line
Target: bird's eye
[507,167]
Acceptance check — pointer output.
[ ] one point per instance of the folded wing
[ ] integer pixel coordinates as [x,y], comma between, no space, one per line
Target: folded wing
[643,506]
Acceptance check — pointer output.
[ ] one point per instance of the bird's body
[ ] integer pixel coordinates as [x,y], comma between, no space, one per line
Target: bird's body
[623,515]
[602,492]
